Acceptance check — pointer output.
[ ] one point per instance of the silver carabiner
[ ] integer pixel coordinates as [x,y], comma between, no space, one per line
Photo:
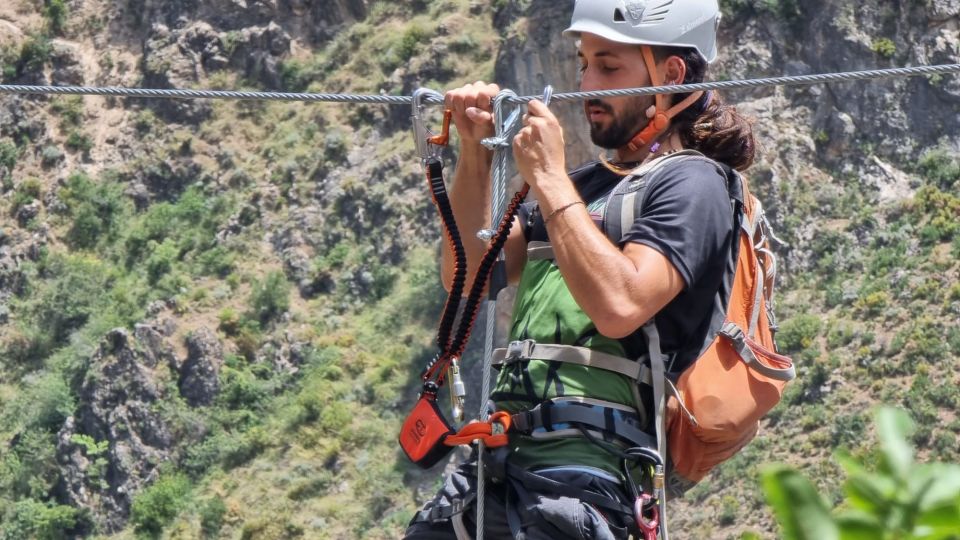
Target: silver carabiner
[502,128]
[428,144]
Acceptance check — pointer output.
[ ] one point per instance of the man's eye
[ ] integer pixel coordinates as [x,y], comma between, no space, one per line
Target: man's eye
[608,69]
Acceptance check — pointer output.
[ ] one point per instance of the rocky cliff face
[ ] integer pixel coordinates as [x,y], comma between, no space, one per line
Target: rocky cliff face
[119,437]
[333,199]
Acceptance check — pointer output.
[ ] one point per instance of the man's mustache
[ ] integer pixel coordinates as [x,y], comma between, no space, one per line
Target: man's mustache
[598,103]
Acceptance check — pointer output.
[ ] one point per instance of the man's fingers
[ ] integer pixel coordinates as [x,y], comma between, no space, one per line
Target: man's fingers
[537,109]
[479,116]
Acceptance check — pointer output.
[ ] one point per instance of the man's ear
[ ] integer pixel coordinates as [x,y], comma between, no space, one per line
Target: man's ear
[674,70]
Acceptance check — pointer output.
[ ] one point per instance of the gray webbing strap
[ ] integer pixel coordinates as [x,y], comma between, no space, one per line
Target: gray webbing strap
[549,414]
[739,342]
[538,251]
[625,201]
[531,350]
[658,366]
[657,363]
[760,275]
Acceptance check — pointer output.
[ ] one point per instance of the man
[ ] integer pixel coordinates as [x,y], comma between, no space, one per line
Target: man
[586,291]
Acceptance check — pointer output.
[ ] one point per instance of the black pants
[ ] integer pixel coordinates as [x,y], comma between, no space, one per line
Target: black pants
[513,510]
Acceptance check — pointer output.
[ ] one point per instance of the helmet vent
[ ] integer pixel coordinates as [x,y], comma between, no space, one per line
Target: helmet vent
[658,13]
[618,16]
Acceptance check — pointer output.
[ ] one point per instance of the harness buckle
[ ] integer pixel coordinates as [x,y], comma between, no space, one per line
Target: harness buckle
[520,350]
[523,421]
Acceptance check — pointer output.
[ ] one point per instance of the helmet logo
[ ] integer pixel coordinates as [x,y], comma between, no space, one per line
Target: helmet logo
[635,9]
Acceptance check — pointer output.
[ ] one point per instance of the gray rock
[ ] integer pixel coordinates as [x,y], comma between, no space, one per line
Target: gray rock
[27,212]
[199,375]
[65,58]
[115,407]
[257,51]
[176,59]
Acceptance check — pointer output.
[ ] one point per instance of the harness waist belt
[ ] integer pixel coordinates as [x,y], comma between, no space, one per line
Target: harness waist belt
[549,414]
[529,349]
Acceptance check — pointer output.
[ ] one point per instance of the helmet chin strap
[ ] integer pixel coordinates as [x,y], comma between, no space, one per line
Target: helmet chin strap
[661,119]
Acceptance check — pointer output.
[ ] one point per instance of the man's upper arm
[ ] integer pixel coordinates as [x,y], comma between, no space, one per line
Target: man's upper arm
[662,281]
[515,251]
[686,218]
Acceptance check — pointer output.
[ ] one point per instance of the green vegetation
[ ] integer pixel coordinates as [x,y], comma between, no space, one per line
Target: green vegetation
[890,497]
[9,153]
[271,298]
[56,13]
[885,47]
[158,504]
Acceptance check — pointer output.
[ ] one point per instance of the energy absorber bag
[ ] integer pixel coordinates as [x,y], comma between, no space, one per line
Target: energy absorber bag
[425,429]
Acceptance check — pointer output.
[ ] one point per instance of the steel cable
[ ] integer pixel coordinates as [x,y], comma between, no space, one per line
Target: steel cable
[179,93]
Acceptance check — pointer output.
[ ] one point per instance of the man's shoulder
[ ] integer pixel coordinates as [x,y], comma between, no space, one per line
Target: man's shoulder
[694,175]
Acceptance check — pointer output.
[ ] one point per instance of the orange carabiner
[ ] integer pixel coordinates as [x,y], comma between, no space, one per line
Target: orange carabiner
[483,431]
[444,137]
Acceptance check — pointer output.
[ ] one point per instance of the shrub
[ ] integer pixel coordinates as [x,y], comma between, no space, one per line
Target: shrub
[157,505]
[98,209]
[29,468]
[271,297]
[884,47]
[229,321]
[79,141]
[218,261]
[28,191]
[240,389]
[37,520]
[161,260]
[798,333]
[73,294]
[69,109]
[42,405]
[56,13]
[9,153]
[211,516]
[940,167]
[34,53]
[50,155]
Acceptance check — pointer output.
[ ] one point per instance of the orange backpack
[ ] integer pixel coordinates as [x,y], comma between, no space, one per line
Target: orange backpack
[715,406]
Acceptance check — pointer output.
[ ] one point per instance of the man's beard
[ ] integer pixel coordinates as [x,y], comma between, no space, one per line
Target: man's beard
[622,128]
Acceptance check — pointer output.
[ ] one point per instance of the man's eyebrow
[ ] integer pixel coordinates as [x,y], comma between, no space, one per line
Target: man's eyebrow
[599,54]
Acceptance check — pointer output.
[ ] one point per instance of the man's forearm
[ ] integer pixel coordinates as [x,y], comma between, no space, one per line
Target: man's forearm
[470,197]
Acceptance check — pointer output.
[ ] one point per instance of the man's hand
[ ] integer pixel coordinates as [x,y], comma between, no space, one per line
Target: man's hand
[472,110]
[539,148]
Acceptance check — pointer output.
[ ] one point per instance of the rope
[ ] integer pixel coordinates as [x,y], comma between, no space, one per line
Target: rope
[175,93]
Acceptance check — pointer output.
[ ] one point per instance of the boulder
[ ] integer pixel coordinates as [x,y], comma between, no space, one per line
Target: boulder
[115,409]
[200,373]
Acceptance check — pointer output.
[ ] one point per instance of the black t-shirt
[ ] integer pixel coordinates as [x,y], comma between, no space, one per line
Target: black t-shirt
[687,216]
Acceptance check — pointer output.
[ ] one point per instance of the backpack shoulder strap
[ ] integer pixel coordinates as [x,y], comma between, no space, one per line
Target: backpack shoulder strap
[626,200]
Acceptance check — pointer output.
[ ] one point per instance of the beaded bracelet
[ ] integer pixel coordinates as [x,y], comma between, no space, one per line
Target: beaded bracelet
[547,219]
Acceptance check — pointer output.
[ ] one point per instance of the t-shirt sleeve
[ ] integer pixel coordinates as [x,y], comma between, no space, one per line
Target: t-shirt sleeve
[687,217]
[525,217]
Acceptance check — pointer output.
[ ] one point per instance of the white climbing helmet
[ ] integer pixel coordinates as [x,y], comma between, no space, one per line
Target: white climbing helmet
[673,23]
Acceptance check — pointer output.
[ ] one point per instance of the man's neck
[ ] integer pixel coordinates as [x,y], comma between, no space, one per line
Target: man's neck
[667,145]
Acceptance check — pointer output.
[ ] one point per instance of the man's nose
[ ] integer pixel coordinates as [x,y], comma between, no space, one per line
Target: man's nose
[588,81]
